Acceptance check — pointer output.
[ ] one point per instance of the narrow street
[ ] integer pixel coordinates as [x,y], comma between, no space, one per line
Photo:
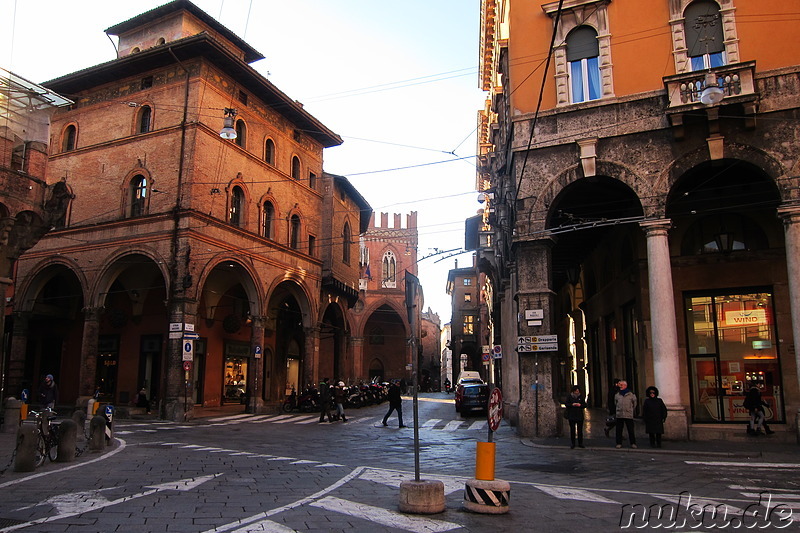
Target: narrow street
[240,472]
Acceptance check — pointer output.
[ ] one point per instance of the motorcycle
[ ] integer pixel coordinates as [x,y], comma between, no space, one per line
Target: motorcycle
[306,402]
[447,386]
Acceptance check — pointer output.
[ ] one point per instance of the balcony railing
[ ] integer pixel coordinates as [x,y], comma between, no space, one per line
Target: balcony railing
[736,81]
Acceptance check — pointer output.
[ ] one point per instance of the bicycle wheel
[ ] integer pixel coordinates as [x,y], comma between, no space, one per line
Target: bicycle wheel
[52,448]
[40,453]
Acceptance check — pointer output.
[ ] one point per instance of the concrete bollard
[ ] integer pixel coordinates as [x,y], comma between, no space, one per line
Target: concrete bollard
[67,441]
[79,417]
[97,433]
[487,497]
[422,497]
[27,438]
[12,415]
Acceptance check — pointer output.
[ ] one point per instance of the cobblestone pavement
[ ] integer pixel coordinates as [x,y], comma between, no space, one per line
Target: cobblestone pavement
[238,472]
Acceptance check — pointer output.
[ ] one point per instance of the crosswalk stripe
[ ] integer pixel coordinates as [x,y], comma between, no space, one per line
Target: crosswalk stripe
[744,465]
[384,517]
[567,493]
[478,424]
[226,418]
[700,503]
[430,423]
[452,425]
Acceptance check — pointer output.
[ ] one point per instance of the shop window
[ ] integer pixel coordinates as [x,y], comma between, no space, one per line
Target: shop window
[138,195]
[583,56]
[269,152]
[389,270]
[731,342]
[68,141]
[269,219]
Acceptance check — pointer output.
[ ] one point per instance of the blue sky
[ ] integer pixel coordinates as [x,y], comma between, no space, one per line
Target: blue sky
[397,80]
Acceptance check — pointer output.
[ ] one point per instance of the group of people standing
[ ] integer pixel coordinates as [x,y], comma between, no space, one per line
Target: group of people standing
[327,393]
[622,404]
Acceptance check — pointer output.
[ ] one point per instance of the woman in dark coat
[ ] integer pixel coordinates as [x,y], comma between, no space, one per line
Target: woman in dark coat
[654,413]
[575,404]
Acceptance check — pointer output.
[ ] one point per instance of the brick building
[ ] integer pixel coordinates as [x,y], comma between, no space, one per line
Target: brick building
[642,183]
[240,243]
[382,328]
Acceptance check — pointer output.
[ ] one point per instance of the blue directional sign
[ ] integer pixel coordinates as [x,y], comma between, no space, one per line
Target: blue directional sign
[24,395]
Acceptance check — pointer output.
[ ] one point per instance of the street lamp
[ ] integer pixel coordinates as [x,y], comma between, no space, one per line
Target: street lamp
[712,93]
[227,131]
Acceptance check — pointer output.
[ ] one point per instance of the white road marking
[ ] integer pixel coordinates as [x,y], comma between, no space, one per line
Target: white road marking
[452,425]
[328,464]
[430,423]
[308,420]
[479,424]
[392,478]
[384,516]
[265,525]
[744,465]
[227,418]
[702,503]
[567,493]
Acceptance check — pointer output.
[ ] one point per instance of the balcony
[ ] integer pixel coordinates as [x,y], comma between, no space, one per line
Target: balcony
[736,81]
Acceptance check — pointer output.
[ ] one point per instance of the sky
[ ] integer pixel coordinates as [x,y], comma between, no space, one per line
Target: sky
[398,81]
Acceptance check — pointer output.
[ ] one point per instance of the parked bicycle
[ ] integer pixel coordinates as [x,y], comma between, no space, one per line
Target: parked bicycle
[47,436]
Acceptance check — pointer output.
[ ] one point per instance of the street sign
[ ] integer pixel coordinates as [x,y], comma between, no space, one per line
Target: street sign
[188,350]
[190,335]
[486,357]
[495,411]
[175,326]
[534,314]
[544,347]
[188,327]
[257,351]
[187,365]
[537,339]
[497,352]
[175,334]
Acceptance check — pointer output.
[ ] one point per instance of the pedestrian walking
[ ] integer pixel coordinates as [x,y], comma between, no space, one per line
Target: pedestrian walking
[48,392]
[325,401]
[395,403]
[654,413]
[611,419]
[755,404]
[338,398]
[625,401]
[575,405]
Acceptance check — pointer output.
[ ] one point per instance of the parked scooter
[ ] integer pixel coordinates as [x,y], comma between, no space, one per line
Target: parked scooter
[447,386]
[306,402]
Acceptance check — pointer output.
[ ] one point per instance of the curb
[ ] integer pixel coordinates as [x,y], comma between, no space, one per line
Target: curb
[660,451]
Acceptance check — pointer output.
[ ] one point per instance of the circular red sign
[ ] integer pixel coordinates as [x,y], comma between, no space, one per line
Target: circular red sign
[495,411]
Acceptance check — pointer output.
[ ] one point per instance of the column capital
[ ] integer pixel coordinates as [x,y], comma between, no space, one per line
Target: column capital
[656,226]
[790,214]
[93,313]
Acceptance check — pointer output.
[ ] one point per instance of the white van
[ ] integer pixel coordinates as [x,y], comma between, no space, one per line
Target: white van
[469,376]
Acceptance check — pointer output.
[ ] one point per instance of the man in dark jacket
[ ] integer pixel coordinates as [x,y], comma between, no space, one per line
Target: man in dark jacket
[325,401]
[395,403]
[48,392]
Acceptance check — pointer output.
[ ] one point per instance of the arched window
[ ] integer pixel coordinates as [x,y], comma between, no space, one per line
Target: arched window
[295,167]
[237,207]
[269,217]
[583,54]
[68,142]
[138,195]
[241,133]
[294,232]
[347,243]
[723,234]
[143,123]
[389,270]
[704,37]
[269,152]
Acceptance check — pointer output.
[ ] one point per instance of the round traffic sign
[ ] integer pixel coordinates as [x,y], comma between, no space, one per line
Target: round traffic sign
[495,411]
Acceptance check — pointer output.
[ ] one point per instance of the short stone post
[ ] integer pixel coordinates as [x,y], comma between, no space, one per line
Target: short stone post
[67,441]
[422,497]
[97,433]
[27,437]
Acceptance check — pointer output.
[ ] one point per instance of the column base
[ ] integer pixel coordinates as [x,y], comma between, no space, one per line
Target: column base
[676,427]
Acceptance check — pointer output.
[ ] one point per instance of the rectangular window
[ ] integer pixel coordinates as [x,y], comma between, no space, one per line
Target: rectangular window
[467,297]
[467,281]
[731,340]
[707,61]
[147,82]
[469,325]
[585,79]
[312,180]
[312,244]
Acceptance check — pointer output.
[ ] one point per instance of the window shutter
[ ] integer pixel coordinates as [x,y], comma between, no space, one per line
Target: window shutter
[703,28]
[582,44]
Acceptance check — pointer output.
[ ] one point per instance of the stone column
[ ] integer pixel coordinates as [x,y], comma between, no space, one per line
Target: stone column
[357,346]
[666,357]
[791,225]
[91,336]
[176,404]
[256,378]
[15,373]
[538,408]
[311,356]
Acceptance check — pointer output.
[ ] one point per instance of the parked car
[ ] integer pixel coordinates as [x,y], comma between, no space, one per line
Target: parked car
[472,396]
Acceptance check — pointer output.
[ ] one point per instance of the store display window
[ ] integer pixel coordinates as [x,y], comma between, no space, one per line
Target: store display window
[731,343]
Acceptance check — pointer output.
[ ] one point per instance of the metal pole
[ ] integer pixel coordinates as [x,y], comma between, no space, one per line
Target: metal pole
[416,403]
